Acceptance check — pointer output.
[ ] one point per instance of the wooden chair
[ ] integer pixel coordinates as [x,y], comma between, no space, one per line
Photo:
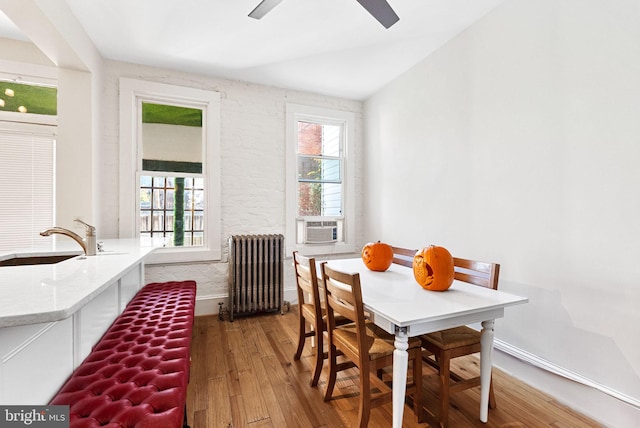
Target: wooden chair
[311,311]
[403,256]
[455,342]
[364,345]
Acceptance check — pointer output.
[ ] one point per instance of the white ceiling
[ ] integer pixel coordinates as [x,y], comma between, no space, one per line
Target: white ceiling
[332,47]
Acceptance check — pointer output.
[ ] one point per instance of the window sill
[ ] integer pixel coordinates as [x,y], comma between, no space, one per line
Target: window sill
[323,249]
[169,255]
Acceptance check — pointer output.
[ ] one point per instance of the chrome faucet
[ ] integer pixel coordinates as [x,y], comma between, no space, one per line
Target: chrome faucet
[88,244]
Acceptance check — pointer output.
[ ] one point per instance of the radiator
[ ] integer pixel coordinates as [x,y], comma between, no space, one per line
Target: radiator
[256,282]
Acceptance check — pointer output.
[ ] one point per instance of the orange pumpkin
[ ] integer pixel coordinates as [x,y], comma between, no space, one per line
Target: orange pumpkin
[433,268]
[377,256]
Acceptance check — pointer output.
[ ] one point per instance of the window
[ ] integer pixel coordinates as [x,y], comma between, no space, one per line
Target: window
[320,203]
[27,163]
[170,169]
[172,189]
[172,208]
[319,169]
[28,98]
[27,156]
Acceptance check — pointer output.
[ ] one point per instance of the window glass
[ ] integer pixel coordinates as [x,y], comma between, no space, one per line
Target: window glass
[172,207]
[319,139]
[319,169]
[319,199]
[180,224]
[28,98]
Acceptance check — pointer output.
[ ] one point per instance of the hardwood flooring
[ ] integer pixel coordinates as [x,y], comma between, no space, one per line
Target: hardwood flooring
[243,375]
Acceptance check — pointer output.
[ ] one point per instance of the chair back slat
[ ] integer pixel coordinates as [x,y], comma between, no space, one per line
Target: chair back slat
[304,277]
[403,256]
[306,281]
[475,272]
[342,301]
[342,293]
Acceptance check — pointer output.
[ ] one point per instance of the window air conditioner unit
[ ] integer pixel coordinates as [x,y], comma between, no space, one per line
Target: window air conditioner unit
[320,232]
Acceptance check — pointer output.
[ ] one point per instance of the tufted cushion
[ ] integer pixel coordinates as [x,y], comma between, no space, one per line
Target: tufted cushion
[137,374]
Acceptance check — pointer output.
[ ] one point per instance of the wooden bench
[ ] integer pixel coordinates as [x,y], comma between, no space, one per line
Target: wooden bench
[137,374]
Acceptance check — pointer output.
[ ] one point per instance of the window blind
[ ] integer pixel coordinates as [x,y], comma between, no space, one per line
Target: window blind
[27,185]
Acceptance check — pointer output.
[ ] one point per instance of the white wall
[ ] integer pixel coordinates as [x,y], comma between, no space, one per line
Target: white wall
[57,35]
[519,142]
[75,191]
[20,52]
[253,165]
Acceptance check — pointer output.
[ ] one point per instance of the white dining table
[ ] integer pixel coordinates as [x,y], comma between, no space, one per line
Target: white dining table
[400,306]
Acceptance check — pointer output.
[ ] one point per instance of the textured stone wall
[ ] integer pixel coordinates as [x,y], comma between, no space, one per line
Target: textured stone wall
[253,167]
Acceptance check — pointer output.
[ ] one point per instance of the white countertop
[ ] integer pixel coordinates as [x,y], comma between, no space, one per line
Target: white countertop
[45,293]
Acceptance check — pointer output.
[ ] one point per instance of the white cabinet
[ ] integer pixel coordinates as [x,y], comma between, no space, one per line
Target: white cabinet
[130,284]
[46,331]
[93,319]
[36,361]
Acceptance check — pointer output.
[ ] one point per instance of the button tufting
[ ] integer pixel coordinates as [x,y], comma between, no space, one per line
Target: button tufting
[137,374]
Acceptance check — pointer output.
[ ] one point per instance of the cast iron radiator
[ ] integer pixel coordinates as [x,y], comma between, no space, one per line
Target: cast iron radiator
[255,274]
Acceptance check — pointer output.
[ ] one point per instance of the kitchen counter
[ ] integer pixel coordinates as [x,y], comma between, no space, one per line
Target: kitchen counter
[52,315]
[43,293]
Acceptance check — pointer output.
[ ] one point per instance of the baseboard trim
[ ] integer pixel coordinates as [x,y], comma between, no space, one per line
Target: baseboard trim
[561,371]
[210,305]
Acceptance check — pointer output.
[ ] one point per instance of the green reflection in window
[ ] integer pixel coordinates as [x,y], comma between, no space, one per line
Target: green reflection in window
[24,98]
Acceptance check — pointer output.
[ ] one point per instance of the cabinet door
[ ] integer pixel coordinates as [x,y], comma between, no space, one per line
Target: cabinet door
[35,360]
[94,319]
[130,283]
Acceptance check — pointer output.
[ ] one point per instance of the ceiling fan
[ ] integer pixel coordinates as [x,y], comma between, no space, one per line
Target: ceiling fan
[379,9]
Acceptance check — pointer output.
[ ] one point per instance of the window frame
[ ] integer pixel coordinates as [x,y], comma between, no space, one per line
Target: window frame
[30,123]
[30,79]
[294,114]
[44,133]
[132,93]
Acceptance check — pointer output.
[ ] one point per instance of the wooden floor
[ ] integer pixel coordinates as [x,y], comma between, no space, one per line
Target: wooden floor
[243,375]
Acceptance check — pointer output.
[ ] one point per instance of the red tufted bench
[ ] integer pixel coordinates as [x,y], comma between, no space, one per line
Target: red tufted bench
[137,374]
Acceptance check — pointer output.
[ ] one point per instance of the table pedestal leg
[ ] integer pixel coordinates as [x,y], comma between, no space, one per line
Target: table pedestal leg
[400,367]
[486,346]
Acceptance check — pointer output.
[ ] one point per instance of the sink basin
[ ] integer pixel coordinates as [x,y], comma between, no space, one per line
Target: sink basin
[35,260]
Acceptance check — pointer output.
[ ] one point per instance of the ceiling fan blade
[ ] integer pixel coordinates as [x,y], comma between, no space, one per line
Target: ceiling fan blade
[263,8]
[381,10]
